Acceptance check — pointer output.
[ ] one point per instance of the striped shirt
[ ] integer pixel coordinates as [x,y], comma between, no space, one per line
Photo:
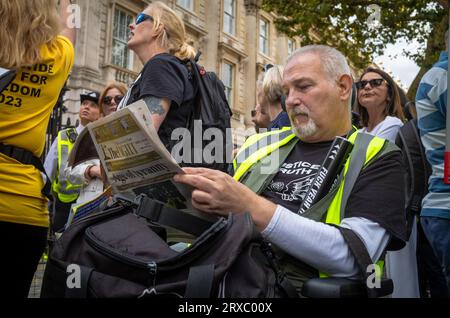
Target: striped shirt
[431,104]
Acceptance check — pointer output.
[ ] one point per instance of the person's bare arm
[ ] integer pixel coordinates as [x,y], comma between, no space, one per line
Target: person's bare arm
[68,30]
[159,107]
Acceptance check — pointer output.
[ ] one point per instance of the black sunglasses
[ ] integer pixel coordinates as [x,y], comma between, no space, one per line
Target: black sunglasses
[373,83]
[108,99]
[142,17]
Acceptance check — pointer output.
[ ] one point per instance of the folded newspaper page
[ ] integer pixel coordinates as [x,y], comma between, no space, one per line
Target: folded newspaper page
[133,157]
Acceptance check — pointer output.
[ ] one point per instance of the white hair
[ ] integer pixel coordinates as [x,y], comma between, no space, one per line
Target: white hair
[270,83]
[334,62]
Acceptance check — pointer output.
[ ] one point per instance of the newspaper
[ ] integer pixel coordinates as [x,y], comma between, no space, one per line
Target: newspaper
[133,157]
[87,208]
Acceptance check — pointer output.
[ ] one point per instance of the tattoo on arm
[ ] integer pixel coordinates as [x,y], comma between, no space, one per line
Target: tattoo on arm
[154,104]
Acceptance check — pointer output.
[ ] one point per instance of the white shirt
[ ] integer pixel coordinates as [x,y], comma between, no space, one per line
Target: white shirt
[89,188]
[322,246]
[387,129]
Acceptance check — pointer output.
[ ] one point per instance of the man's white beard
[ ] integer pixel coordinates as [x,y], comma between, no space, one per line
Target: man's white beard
[305,130]
[302,130]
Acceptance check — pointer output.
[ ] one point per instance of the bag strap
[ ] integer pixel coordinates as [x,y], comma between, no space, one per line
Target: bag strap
[361,255]
[27,158]
[200,281]
[423,158]
[357,161]
[157,212]
[407,153]
[6,77]
[412,206]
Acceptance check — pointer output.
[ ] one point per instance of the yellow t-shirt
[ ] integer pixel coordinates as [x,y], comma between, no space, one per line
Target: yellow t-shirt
[25,108]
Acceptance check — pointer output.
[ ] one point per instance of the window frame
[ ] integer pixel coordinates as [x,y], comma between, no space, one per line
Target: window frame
[190,7]
[266,37]
[229,90]
[232,16]
[129,17]
[293,46]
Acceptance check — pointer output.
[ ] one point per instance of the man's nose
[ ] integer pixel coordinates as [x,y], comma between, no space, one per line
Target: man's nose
[291,100]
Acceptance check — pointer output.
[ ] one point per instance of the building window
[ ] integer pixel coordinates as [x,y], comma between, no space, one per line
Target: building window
[264,37]
[187,4]
[227,78]
[291,46]
[229,17]
[121,54]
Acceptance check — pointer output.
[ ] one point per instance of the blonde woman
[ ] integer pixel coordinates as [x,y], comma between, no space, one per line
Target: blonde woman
[158,38]
[271,98]
[31,44]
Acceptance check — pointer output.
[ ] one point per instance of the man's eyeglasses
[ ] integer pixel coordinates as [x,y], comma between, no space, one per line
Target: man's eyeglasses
[373,83]
[108,99]
[142,17]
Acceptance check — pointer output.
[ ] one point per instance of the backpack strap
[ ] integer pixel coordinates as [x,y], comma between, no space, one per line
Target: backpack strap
[200,281]
[6,77]
[364,260]
[357,160]
[423,159]
[27,158]
[157,212]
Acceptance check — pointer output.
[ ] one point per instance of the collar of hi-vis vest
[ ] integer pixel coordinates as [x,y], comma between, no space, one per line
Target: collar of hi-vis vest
[259,146]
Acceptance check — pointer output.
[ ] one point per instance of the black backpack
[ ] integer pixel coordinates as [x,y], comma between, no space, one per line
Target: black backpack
[418,170]
[118,253]
[212,108]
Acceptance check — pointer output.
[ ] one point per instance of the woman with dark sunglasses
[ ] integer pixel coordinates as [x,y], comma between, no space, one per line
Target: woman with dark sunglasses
[158,37]
[379,104]
[111,97]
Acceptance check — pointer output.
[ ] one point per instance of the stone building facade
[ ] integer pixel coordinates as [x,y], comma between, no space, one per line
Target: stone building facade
[236,39]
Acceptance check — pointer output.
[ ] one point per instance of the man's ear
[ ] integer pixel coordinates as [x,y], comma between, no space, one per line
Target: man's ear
[345,86]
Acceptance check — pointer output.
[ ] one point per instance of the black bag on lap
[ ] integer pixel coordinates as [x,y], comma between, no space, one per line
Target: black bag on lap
[116,253]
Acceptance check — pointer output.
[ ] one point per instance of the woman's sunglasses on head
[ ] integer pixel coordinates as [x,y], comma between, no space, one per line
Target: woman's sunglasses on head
[373,83]
[142,17]
[108,99]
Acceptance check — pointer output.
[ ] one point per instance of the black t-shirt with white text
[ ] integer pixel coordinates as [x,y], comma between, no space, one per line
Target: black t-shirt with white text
[166,76]
[377,195]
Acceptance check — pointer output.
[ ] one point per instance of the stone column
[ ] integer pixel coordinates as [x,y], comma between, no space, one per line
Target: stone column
[209,41]
[251,7]
[87,65]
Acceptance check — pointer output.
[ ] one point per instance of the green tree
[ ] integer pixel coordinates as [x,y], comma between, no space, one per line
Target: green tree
[350,27]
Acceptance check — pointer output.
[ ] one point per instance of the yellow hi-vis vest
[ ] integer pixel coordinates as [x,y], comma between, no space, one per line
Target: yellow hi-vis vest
[65,191]
[268,146]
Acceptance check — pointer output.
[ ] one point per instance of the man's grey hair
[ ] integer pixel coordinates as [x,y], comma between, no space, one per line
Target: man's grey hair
[334,62]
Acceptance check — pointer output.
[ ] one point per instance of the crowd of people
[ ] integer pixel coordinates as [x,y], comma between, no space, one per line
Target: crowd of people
[301,107]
